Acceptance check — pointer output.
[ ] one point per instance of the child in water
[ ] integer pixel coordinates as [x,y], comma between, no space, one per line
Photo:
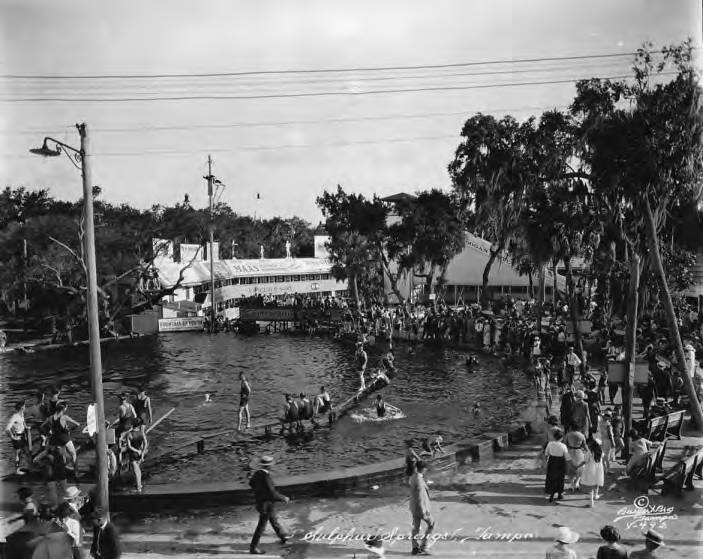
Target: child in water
[477,409]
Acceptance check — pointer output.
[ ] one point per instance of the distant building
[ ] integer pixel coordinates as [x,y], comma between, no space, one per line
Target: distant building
[236,279]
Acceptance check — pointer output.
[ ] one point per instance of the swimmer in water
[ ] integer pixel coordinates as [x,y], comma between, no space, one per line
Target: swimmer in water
[477,409]
[380,406]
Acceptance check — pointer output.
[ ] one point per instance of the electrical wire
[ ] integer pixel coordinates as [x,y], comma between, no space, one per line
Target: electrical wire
[158,128]
[314,71]
[305,94]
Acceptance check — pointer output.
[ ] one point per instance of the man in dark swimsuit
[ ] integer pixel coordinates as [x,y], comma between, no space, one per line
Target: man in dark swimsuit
[244,393]
[142,406]
[290,414]
[56,428]
[137,446]
[126,416]
[305,406]
[380,406]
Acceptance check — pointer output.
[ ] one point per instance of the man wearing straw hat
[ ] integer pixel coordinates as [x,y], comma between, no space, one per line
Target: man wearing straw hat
[561,549]
[652,541]
[266,496]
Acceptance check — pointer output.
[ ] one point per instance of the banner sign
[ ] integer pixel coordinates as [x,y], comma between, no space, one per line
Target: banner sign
[267,314]
[180,324]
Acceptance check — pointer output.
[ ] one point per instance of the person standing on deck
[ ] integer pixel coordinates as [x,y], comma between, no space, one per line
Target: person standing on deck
[142,406]
[17,429]
[244,393]
[266,496]
[57,429]
[137,446]
[126,414]
[361,360]
[323,402]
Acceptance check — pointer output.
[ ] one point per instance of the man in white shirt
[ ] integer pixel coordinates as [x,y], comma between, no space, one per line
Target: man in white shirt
[16,428]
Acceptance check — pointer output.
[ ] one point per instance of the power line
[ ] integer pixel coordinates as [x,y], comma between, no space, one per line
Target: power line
[302,94]
[344,79]
[257,148]
[313,71]
[49,129]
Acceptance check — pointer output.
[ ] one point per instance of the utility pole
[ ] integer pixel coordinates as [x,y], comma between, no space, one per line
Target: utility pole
[96,374]
[631,346]
[212,240]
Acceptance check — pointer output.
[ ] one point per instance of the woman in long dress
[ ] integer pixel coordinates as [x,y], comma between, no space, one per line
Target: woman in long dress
[576,444]
[557,455]
[593,476]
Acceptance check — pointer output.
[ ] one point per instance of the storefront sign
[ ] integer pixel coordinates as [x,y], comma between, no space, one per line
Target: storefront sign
[180,324]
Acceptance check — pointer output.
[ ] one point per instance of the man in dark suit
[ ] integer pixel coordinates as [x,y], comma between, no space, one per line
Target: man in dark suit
[266,496]
[106,544]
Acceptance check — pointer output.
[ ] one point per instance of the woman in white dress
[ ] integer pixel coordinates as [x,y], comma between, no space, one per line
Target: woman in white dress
[592,475]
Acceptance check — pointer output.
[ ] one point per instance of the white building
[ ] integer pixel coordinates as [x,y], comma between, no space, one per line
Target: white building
[236,279]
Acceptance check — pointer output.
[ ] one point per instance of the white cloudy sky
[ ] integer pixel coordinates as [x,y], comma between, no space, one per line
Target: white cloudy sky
[288,149]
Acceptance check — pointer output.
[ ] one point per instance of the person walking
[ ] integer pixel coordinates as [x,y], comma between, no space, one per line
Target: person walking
[420,509]
[605,431]
[557,455]
[580,414]
[266,496]
[106,543]
[576,444]
[592,475]
[561,549]
[244,393]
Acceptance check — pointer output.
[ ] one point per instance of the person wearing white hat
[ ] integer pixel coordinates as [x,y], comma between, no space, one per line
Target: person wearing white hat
[561,549]
[266,496]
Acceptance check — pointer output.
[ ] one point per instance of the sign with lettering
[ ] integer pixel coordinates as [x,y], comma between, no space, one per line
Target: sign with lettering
[267,314]
[180,324]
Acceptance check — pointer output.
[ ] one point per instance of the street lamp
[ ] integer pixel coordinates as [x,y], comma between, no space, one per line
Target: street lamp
[81,160]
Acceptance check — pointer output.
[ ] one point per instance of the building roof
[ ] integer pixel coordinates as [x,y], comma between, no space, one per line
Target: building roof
[400,197]
[199,271]
[466,268]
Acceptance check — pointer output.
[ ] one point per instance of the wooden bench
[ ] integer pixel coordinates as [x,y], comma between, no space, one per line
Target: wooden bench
[646,474]
[662,427]
[680,477]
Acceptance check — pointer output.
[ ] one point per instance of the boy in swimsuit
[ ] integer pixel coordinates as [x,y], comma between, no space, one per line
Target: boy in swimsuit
[17,429]
[244,393]
[126,415]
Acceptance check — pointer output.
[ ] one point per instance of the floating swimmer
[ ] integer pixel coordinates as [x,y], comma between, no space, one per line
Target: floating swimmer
[207,399]
[477,409]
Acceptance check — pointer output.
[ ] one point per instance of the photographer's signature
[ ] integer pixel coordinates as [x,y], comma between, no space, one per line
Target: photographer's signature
[645,515]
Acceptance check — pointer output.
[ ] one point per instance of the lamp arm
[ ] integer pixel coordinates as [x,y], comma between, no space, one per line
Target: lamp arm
[74,155]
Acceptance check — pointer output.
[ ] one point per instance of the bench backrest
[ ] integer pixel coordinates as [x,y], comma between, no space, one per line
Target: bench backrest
[657,428]
[659,456]
[675,423]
